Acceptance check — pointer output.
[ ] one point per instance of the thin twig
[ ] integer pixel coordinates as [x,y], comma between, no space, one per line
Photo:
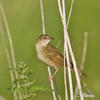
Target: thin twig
[66,48]
[82,66]
[70,12]
[83,60]
[52,86]
[74,64]
[84,50]
[75,68]
[43,29]
[42,15]
[58,43]
[57,90]
[11,45]
[72,54]
[60,9]
[88,90]
[65,77]
[73,60]
[8,57]
[66,51]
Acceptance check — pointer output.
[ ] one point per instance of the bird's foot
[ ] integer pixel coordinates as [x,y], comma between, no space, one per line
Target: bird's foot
[51,78]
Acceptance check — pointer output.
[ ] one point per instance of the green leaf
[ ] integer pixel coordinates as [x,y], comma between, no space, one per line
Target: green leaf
[21,90]
[9,89]
[39,88]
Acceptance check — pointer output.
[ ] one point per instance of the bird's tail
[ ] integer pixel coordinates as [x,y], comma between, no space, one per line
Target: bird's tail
[80,71]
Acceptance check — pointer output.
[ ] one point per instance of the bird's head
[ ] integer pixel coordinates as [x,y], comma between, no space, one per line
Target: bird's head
[44,39]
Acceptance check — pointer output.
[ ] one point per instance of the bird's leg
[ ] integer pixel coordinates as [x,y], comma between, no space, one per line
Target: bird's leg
[53,74]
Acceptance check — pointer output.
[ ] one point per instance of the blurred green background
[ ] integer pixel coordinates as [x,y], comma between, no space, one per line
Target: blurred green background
[24,19]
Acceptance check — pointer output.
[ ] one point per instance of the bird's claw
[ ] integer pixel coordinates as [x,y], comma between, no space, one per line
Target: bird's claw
[51,78]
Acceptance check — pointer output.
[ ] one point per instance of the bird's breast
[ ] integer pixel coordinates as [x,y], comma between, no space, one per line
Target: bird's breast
[42,55]
[50,56]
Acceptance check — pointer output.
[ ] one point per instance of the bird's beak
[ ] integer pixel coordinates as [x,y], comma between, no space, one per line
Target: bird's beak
[52,38]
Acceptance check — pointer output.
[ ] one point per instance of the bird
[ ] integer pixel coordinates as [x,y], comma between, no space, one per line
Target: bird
[49,54]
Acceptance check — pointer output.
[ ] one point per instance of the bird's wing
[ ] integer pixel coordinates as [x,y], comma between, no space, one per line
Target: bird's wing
[55,55]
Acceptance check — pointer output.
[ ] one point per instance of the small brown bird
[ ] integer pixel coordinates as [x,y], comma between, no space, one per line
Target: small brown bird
[48,53]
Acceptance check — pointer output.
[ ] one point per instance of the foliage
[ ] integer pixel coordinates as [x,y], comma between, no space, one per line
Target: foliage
[27,87]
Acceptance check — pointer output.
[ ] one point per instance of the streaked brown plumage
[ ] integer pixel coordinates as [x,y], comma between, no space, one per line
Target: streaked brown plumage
[48,54]
[54,57]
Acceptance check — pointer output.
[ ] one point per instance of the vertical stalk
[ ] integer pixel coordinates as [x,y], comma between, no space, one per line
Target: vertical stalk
[62,13]
[7,57]
[43,29]
[11,45]
[66,51]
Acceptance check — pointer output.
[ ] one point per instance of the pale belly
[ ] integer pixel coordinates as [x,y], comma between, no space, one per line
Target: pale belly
[42,55]
[46,60]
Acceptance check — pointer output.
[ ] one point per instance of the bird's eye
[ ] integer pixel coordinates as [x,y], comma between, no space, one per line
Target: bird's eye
[44,37]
